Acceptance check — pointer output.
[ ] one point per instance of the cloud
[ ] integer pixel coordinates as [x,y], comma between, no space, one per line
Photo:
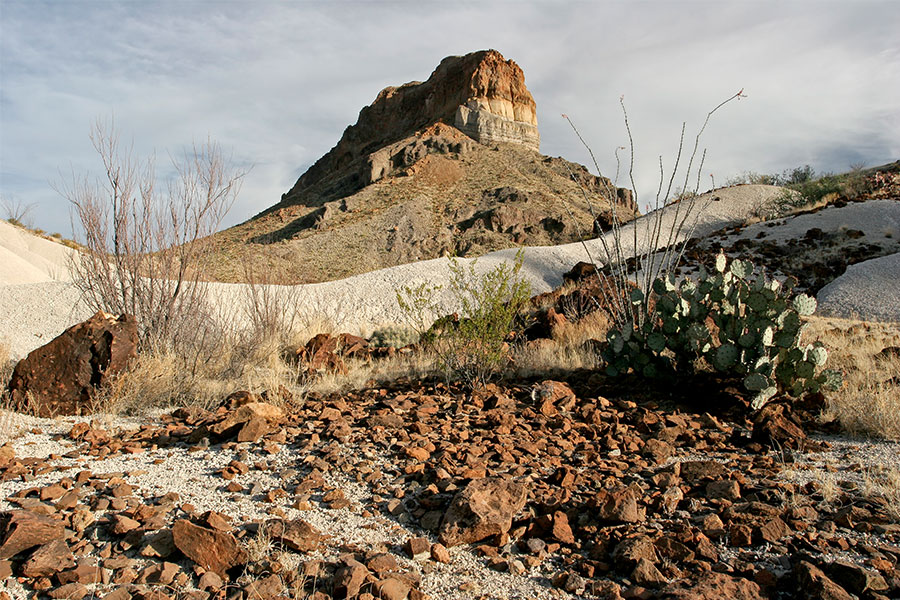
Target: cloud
[277,82]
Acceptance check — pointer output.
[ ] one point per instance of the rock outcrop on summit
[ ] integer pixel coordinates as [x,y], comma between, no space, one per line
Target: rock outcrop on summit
[446,166]
[481,94]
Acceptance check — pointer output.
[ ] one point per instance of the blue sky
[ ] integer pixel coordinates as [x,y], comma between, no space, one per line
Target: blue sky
[276,83]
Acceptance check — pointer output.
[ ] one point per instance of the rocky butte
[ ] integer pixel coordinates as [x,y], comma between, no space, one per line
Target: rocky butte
[481,94]
[450,165]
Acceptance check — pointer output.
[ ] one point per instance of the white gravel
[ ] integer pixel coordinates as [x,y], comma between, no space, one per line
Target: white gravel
[193,475]
[868,290]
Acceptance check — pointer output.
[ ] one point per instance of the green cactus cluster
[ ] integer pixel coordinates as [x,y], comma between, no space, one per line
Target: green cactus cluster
[395,336]
[734,318]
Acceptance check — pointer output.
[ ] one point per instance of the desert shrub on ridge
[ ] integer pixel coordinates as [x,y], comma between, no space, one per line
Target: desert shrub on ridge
[471,345]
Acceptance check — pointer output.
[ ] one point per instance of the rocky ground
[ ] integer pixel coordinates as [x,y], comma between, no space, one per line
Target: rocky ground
[535,489]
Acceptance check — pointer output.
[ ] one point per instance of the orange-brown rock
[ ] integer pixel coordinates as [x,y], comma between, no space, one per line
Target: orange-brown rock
[213,550]
[22,530]
[482,509]
[60,377]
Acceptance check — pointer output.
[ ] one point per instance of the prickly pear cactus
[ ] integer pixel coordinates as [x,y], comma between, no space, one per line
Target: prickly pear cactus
[758,329]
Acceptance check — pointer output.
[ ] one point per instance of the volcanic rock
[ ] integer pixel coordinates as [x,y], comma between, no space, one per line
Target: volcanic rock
[60,377]
[22,530]
[485,507]
[49,559]
[213,550]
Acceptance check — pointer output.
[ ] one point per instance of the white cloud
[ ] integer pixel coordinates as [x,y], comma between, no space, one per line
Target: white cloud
[278,82]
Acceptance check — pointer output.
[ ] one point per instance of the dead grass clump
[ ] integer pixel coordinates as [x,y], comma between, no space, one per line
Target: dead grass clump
[553,358]
[6,366]
[868,404]
[884,483]
[593,326]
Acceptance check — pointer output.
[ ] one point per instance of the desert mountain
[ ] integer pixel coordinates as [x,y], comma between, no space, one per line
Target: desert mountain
[446,166]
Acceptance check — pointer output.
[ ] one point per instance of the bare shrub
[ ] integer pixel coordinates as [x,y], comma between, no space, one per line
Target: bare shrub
[16,212]
[659,248]
[144,242]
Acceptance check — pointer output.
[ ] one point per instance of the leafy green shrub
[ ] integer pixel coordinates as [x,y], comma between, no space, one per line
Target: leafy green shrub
[737,320]
[471,345]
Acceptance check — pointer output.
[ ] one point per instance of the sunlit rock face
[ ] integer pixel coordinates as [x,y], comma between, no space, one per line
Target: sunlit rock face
[482,94]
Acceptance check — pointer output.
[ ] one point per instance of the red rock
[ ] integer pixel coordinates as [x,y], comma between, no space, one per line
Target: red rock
[618,506]
[70,591]
[713,586]
[485,507]
[856,578]
[122,524]
[87,572]
[561,531]
[252,430]
[774,530]
[22,530]
[382,563]
[210,581]
[349,578]
[740,535]
[258,411]
[553,396]
[213,550]
[646,574]
[727,489]
[418,547]
[61,376]
[265,588]
[161,573]
[695,470]
[391,589]
[774,424]
[815,585]
[439,553]
[120,593]
[298,535]
[630,551]
[49,559]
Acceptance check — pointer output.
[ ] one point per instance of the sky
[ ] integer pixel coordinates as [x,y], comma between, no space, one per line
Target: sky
[276,83]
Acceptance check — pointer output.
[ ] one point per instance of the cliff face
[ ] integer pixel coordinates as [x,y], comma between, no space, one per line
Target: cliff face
[481,94]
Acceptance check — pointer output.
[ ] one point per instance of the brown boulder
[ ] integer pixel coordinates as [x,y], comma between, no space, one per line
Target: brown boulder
[485,507]
[618,506]
[713,586]
[60,377]
[774,424]
[213,550]
[815,585]
[298,535]
[49,559]
[22,530]
[349,578]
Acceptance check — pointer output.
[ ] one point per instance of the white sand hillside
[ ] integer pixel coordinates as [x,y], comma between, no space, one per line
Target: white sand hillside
[27,258]
[869,290]
[36,303]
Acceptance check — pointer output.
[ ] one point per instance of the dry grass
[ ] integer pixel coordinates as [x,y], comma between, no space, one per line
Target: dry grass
[868,404]
[6,365]
[884,483]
